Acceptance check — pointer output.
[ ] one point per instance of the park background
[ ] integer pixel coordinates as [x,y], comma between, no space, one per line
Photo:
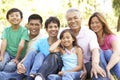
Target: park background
[46,8]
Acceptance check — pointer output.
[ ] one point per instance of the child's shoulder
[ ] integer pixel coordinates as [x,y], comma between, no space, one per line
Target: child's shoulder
[7,28]
[23,27]
[78,49]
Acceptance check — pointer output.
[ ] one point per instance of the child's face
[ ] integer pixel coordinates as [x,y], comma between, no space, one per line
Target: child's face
[14,18]
[52,29]
[34,27]
[67,39]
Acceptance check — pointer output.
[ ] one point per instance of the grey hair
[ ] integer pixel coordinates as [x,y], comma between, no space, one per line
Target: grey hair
[73,10]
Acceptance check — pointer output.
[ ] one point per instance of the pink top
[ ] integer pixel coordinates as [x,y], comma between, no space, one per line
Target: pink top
[87,40]
[107,42]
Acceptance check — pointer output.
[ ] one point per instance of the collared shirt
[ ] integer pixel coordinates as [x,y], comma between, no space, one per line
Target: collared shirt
[87,40]
[32,42]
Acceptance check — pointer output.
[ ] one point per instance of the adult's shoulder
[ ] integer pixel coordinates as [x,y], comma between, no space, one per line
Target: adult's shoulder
[86,31]
[42,40]
[111,37]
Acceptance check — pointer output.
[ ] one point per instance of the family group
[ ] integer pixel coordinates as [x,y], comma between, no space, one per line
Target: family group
[87,53]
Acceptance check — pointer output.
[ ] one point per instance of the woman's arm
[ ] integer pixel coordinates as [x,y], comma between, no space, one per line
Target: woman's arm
[115,58]
[54,47]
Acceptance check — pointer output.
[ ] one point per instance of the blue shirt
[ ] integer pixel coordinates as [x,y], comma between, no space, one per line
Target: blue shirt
[69,60]
[42,46]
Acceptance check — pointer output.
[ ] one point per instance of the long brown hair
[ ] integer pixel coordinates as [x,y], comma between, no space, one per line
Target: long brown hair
[72,34]
[106,28]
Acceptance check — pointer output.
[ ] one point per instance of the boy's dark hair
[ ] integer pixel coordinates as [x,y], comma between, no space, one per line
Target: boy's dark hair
[52,19]
[35,17]
[14,10]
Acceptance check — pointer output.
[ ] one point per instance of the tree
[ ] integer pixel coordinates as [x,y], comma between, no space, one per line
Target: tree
[116,7]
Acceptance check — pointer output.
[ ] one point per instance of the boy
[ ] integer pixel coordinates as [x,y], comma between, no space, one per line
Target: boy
[14,41]
[34,25]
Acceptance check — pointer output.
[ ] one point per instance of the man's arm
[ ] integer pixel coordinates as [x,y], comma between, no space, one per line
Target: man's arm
[95,57]
[96,69]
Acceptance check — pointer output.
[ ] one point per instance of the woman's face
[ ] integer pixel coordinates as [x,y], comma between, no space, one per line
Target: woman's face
[52,29]
[96,25]
[67,39]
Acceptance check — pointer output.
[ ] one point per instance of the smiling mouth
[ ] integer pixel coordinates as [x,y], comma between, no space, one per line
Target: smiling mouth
[33,31]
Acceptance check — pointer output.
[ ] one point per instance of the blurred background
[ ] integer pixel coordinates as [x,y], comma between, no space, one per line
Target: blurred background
[46,8]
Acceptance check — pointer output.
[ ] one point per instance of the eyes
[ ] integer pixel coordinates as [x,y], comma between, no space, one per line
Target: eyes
[55,26]
[15,14]
[66,37]
[32,24]
[95,22]
[73,18]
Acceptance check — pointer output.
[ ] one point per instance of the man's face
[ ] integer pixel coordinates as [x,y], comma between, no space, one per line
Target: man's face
[73,20]
[34,27]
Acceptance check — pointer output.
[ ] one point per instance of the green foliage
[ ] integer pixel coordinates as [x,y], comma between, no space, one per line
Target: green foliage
[86,7]
[116,7]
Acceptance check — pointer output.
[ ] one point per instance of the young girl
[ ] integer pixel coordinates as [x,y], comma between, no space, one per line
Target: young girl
[71,54]
[108,43]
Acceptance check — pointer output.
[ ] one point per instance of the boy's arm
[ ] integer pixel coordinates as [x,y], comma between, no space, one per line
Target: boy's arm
[3,48]
[20,48]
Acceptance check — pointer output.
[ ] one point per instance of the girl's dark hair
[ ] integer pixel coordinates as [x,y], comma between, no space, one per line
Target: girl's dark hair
[106,28]
[52,19]
[71,33]
[14,10]
[35,17]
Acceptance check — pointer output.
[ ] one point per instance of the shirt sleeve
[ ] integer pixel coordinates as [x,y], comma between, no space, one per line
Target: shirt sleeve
[25,35]
[93,41]
[4,35]
[111,38]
